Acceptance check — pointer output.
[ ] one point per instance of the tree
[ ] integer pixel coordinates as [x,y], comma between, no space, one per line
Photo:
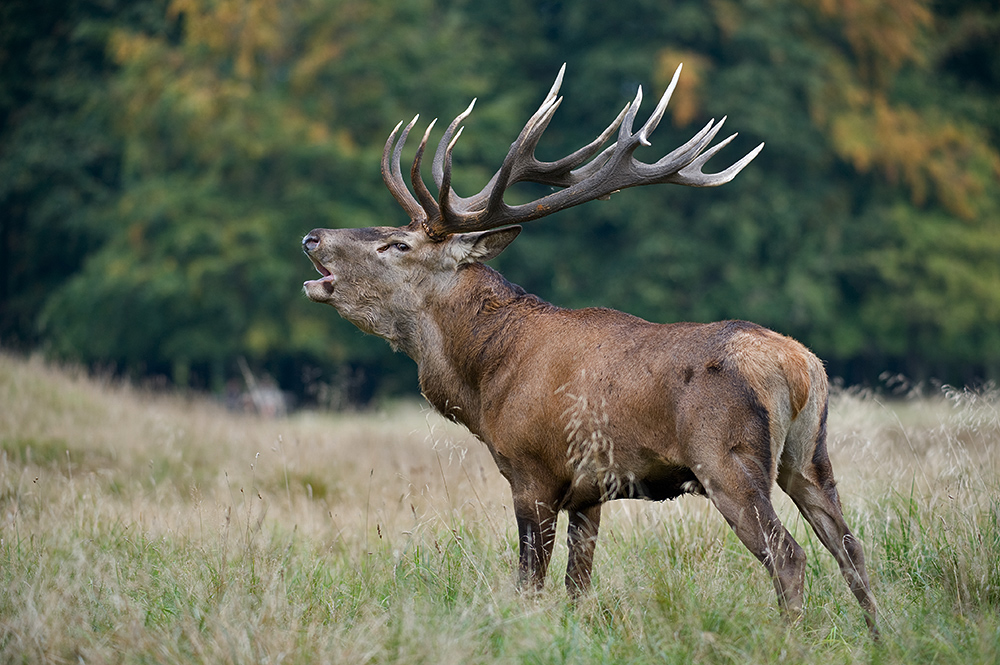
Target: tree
[195,141]
[59,158]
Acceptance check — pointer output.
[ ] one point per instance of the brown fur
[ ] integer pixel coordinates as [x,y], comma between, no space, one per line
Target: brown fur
[760,355]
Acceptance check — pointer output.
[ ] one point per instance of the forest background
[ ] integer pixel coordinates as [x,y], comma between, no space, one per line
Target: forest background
[160,161]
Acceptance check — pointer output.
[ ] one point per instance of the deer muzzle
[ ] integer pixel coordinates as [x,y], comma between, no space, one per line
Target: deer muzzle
[317,289]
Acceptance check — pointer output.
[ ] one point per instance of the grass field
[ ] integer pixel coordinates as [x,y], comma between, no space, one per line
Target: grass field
[143,528]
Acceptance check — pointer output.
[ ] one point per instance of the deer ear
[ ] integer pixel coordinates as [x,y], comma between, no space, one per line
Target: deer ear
[483,245]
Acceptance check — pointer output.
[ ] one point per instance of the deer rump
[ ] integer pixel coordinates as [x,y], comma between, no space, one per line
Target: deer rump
[579,407]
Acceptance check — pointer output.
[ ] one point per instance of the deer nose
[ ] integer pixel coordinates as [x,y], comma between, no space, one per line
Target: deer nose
[310,242]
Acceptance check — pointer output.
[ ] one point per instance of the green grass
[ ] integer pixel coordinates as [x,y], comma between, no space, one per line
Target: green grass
[144,528]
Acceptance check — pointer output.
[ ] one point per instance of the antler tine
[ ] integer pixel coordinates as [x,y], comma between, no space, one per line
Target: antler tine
[445,192]
[692,175]
[627,141]
[392,174]
[683,165]
[554,90]
[680,157]
[625,130]
[654,119]
[427,202]
[437,167]
[539,120]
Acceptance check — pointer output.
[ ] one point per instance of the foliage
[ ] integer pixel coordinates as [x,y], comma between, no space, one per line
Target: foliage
[193,144]
[59,157]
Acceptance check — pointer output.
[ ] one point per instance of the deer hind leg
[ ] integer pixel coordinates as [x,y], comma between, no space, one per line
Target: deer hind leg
[743,498]
[814,492]
[536,527]
[582,539]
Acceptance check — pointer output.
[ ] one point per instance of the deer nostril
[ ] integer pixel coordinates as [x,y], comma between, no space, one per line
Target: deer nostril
[310,242]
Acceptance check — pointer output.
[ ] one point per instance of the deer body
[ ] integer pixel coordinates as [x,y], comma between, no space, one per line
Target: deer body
[579,407]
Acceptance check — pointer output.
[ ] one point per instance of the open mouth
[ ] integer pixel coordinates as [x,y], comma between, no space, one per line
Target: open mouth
[326,281]
[319,267]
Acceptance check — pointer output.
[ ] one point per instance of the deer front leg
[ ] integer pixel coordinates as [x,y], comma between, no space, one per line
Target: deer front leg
[536,528]
[581,538]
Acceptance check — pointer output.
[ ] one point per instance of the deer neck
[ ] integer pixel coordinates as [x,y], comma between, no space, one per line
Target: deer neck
[466,339]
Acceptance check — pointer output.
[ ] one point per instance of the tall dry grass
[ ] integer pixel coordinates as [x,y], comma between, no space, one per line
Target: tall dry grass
[141,527]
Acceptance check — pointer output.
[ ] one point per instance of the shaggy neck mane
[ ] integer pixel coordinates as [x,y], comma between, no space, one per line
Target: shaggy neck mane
[475,330]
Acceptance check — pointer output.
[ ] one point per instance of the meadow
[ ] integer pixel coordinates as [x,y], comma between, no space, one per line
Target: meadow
[142,527]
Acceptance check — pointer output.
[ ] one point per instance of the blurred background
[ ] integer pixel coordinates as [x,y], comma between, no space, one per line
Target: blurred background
[160,161]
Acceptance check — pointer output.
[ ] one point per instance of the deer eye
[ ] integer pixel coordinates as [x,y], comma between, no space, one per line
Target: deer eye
[398,246]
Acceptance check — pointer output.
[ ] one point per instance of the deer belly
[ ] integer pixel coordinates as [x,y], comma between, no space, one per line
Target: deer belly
[657,482]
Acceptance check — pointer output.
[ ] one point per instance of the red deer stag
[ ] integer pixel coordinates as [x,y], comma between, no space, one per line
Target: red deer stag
[579,407]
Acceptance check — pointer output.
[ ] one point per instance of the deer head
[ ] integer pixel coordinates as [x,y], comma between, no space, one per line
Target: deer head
[379,278]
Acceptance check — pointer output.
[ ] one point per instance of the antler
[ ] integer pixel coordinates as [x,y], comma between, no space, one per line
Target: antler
[587,174]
